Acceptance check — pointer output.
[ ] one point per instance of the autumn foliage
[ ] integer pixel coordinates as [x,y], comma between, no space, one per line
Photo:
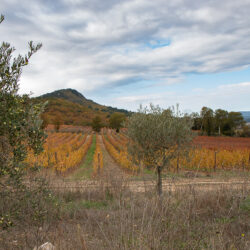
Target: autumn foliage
[62,151]
[118,153]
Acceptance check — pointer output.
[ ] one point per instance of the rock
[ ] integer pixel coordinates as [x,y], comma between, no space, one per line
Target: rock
[45,246]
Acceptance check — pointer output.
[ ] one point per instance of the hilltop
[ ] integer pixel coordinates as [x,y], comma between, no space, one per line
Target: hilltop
[73,108]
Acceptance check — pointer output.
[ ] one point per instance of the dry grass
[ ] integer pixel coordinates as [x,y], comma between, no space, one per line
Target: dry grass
[112,217]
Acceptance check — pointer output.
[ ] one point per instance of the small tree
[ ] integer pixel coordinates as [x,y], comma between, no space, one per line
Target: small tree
[157,135]
[57,123]
[116,120]
[97,124]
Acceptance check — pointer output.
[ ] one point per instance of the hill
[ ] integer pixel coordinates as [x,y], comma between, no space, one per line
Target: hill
[72,108]
[246,115]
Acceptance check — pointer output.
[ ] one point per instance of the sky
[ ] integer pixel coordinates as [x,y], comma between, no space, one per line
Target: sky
[125,53]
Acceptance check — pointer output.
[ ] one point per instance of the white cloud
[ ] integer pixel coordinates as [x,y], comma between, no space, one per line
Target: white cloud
[230,97]
[95,44]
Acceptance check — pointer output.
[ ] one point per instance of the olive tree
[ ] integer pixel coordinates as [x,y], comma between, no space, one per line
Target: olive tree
[20,131]
[157,135]
[20,123]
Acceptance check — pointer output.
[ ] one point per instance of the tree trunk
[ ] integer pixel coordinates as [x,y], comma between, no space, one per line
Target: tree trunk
[215,163]
[159,183]
[178,162]
[99,164]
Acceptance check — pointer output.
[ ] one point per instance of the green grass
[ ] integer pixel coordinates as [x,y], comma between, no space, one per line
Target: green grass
[245,204]
[86,169]
[77,205]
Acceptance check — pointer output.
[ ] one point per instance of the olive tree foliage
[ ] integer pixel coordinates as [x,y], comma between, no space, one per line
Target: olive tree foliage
[20,123]
[158,135]
[21,205]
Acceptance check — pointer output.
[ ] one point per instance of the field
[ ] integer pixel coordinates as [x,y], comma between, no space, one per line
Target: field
[230,143]
[64,152]
[99,199]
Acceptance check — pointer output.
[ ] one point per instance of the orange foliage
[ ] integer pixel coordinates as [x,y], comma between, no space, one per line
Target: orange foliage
[204,159]
[62,151]
[121,157]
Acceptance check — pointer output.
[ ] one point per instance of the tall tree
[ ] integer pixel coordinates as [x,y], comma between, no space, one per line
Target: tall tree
[197,121]
[156,135]
[235,120]
[207,116]
[221,118]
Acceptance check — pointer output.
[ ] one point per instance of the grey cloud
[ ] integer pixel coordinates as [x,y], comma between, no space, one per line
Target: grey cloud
[95,43]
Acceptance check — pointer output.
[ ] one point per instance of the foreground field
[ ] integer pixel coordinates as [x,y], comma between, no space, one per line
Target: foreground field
[98,198]
[113,217]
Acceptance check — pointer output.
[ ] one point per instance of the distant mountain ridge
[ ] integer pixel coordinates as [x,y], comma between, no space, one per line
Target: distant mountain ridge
[246,115]
[71,95]
[73,108]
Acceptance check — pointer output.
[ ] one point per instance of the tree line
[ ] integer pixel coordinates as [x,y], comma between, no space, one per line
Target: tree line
[219,122]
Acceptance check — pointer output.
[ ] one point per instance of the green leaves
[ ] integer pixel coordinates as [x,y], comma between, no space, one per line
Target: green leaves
[1,18]
[156,134]
[20,123]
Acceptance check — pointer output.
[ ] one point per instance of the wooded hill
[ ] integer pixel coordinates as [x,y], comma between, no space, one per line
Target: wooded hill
[72,108]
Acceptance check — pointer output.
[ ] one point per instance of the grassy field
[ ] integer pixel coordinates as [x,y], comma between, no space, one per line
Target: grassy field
[113,217]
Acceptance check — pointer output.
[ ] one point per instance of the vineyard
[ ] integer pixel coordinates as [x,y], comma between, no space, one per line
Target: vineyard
[62,151]
[207,153]
[65,151]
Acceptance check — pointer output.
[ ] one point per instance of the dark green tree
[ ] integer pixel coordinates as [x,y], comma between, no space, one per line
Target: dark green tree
[235,120]
[207,117]
[221,119]
[197,121]
[116,120]
[97,124]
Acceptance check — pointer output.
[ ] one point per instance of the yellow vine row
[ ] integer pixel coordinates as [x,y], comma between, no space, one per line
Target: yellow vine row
[66,155]
[206,159]
[120,157]
[113,141]
[98,158]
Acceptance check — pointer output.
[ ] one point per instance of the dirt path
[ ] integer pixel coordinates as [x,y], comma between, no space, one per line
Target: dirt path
[110,168]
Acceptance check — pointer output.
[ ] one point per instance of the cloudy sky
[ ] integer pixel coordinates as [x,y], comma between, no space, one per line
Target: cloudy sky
[126,52]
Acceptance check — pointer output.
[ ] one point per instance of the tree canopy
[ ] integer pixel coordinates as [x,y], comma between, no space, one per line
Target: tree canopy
[156,135]
[218,122]
[116,120]
[97,124]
